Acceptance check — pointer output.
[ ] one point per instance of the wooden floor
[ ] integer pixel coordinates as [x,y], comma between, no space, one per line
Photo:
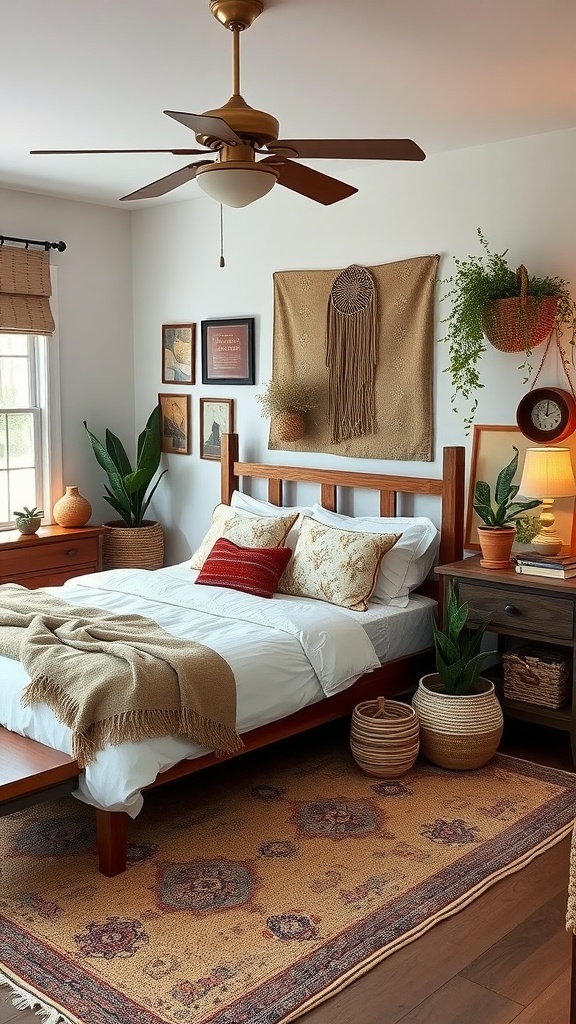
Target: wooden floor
[503,958]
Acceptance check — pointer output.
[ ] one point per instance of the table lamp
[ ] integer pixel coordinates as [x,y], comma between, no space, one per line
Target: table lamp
[547,474]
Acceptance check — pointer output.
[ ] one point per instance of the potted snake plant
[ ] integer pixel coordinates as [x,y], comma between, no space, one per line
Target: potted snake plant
[460,716]
[499,515]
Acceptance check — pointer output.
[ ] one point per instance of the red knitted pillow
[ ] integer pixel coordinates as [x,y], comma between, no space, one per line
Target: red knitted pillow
[251,570]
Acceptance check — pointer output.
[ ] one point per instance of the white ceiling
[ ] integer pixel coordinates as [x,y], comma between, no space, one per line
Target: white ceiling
[98,74]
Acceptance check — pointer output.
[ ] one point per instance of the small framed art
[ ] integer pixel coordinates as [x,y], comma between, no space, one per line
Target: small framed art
[178,353]
[228,351]
[176,431]
[216,418]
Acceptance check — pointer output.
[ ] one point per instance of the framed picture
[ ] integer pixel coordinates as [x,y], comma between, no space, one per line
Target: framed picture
[491,451]
[228,351]
[178,353]
[216,418]
[176,425]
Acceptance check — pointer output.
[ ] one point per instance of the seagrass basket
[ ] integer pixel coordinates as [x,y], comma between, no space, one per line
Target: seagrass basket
[384,737]
[289,426]
[520,322]
[537,676]
[141,547]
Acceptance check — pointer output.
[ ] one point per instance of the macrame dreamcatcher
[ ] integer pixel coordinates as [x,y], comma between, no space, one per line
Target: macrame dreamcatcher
[352,354]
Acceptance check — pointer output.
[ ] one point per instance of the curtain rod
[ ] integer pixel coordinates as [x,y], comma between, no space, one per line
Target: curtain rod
[31,241]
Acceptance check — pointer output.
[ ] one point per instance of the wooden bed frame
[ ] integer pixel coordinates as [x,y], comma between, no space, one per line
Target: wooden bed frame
[392,678]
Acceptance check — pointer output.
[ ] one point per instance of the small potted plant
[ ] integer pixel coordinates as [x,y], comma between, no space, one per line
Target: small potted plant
[131,541]
[460,716]
[511,309]
[499,516]
[28,520]
[286,402]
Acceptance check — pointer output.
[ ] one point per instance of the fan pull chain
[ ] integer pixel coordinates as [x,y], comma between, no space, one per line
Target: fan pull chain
[222,260]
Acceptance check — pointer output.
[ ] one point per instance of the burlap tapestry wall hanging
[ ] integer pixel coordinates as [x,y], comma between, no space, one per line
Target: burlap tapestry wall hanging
[361,339]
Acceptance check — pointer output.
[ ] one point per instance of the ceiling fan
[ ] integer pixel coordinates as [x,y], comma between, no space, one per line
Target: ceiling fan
[249,157]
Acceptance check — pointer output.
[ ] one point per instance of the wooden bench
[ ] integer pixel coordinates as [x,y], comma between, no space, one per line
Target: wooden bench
[31,772]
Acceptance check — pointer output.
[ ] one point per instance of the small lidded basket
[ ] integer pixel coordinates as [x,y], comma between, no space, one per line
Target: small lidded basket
[385,737]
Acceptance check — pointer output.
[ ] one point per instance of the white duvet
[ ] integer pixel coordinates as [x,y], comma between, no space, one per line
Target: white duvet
[285,653]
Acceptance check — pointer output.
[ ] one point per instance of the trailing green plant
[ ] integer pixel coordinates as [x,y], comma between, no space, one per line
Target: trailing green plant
[459,659]
[129,492]
[27,515]
[503,511]
[477,281]
[284,394]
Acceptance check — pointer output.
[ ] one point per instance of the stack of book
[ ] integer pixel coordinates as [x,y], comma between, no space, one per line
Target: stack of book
[561,567]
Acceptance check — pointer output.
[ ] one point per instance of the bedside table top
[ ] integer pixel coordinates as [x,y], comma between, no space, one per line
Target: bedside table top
[470,568]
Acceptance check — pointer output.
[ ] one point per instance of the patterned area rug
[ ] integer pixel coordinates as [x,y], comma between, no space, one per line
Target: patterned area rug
[261,888]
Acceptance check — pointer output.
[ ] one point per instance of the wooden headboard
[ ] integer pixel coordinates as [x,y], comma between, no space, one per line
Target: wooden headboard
[449,489]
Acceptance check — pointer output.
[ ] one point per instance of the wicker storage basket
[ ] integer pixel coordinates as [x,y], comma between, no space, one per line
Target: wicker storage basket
[141,547]
[384,737]
[537,676]
[520,322]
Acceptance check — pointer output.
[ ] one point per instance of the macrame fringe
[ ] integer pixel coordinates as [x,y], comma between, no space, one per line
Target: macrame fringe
[24,1000]
[352,354]
[129,726]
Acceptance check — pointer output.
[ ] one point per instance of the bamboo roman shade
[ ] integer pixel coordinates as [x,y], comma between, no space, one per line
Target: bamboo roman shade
[25,291]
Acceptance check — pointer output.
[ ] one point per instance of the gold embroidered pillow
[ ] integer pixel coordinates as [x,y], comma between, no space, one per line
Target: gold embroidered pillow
[338,566]
[245,529]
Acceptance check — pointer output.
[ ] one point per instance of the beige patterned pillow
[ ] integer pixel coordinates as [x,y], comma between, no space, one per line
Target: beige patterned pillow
[245,529]
[338,566]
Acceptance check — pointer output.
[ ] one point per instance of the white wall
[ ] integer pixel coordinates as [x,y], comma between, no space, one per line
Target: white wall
[521,193]
[95,323]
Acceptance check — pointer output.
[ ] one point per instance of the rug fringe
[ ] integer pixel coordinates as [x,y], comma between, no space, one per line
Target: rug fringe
[24,999]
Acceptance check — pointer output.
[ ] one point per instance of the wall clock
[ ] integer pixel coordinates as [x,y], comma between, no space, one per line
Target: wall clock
[547,415]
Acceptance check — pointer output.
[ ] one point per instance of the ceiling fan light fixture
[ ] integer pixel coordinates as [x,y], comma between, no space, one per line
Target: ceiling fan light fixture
[236,183]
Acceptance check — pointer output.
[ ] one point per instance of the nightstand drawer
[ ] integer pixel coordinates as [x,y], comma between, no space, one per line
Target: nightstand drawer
[55,555]
[551,617]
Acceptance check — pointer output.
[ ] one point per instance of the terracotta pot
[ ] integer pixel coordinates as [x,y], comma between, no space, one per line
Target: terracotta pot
[72,509]
[496,546]
[458,731]
[289,426]
[140,547]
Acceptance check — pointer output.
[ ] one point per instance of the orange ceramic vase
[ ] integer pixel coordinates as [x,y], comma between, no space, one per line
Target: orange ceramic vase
[72,509]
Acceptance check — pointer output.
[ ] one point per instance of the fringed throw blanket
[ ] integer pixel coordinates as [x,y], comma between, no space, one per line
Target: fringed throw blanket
[116,678]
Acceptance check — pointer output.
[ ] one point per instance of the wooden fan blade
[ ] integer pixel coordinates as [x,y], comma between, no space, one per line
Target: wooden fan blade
[308,182]
[351,149]
[73,152]
[169,182]
[202,124]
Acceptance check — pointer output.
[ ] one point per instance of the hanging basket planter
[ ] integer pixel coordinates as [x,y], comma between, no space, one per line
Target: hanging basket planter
[289,426]
[521,322]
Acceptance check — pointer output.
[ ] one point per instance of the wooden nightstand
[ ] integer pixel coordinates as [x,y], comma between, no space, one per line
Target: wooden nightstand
[534,608]
[51,556]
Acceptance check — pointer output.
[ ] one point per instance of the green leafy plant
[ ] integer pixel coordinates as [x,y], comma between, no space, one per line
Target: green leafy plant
[459,660]
[285,395]
[129,492]
[504,510]
[477,281]
[526,528]
[27,515]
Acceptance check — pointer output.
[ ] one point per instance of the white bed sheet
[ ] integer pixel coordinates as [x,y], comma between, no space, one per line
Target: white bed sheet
[267,690]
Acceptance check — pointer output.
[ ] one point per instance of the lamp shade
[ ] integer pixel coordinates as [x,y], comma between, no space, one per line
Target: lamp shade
[236,183]
[548,473]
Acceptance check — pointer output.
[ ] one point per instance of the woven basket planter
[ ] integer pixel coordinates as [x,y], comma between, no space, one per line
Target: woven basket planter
[520,322]
[384,737]
[289,426]
[141,547]
[460,732]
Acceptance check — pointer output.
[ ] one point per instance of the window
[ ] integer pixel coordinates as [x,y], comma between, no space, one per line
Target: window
[28,407]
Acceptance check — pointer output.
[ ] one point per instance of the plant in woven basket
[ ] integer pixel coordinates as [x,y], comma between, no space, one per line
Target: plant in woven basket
[459,659]
[129,491]
[513,310]
[286,401]
[503,510]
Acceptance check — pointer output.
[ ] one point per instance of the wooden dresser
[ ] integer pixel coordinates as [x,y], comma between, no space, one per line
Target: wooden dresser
[51,556]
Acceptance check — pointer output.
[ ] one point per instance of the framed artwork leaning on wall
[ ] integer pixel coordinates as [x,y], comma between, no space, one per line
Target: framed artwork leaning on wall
[176,428]
[178,353]
[216,418]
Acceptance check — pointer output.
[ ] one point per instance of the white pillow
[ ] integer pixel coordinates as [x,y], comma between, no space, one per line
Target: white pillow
[407,564]
[265,508]
[244,529]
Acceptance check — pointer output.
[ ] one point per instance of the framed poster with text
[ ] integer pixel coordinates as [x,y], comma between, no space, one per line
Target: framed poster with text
[228,351]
